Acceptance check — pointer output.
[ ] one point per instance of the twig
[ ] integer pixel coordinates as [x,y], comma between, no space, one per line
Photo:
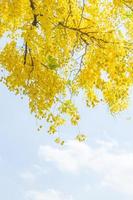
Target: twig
[25,53]
[83,7]
[35,21]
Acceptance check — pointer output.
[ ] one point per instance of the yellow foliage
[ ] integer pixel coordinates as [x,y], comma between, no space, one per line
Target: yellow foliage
[60,47]
[81,137]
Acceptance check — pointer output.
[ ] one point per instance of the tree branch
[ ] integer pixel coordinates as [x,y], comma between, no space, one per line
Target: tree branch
[83,7]
[125,3]
[25,53]
[87,34]
[70,12]
[35,21]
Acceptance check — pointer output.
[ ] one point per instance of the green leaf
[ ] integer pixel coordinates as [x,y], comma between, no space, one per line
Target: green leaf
[52,62]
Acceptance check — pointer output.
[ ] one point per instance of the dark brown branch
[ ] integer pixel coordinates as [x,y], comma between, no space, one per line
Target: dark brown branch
[87,34]
[25,53]
[84,40]
[32,5]
[35,21]
[44,65]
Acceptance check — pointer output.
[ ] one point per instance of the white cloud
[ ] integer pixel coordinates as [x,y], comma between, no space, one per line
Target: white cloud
[68,158]
[107,160]
[47,195]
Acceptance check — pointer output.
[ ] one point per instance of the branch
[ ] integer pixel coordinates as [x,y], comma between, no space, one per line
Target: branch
[35,21]
[83,7]
[128,6]
[81,62]
[25,53]
[84,33]
[70,11]
[32,62]
[32,65]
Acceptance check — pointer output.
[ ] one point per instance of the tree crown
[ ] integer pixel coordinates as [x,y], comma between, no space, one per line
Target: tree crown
[57,48]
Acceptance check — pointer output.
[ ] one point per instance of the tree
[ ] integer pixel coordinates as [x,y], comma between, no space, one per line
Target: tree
[58,48]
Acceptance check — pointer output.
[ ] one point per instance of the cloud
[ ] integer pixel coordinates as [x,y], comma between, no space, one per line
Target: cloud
[113,164]
[50,194]
[67,158]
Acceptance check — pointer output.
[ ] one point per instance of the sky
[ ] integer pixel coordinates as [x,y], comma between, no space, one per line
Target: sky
[33,167]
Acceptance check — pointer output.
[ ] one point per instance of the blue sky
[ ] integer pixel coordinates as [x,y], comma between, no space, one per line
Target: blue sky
[33,167]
